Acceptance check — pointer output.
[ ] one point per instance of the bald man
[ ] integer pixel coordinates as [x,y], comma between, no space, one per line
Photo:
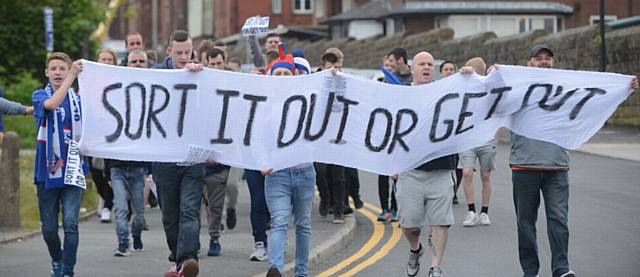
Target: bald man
[426,191]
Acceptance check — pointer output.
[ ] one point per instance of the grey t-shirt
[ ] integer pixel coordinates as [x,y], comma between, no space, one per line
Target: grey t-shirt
[531,153]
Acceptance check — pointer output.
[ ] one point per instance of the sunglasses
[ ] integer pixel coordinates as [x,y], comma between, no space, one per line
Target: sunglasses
[137,61]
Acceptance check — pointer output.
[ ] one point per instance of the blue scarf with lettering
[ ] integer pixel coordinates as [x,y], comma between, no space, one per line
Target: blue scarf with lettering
[50,133]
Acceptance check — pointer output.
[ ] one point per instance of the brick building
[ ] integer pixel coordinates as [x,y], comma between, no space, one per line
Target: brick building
[504,17]
[156,19]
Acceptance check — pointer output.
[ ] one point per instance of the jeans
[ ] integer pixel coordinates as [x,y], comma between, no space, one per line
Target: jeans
[128,181]
[216,190]
[526,198]
[331,181]
[286,189]
[259,211]
[179,195]
[49,202]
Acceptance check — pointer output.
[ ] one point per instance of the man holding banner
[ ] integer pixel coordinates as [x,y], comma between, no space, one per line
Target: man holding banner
[59,170]
[540,166]
[426,191]
[180,188]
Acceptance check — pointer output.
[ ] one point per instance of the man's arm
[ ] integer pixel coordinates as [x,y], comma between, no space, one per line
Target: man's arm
[11,108]
[59,95]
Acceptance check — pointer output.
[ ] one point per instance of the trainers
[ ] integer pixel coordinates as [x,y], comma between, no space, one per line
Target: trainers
[455,200]
[323,209]
[273,272]
[173,271]
[413,265]
[189,268]
[484,219]
[56,269]
[435,272]
[137,244]
[214,248]
[569,274]
[382,217]
[338,218]
[122,251]
[394,216]
[471,219]
[105,216]
[358,203]
[347,211]
[260,252]
[231,219]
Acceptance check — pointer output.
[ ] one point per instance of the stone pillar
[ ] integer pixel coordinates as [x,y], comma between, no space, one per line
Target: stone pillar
[10,182]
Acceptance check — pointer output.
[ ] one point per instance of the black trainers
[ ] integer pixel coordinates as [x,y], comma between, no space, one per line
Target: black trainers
[455,199]
[347,211]
[137,244]
[338,218]
[324,210]
[273,272]
[231,219]
[358,203]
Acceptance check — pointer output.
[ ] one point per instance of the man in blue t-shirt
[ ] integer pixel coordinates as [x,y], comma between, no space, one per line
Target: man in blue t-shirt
[57,115]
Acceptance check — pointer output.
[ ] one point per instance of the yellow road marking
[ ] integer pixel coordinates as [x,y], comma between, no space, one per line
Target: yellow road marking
[376,237]
[396,234]
[391,243]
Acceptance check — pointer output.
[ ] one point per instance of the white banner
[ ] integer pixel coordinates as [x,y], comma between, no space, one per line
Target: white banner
[260,122]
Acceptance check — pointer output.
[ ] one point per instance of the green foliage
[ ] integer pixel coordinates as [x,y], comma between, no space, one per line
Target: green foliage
[29,211]
[25,126]
[21,90]
[22,50]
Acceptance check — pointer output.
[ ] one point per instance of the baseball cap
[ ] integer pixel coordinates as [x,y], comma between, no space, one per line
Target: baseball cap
[537,48]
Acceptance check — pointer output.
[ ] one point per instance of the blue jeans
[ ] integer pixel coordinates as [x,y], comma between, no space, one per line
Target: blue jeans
[128,181]
[49,202]
[526,198]
[259,211]
[179,196]
[286,189]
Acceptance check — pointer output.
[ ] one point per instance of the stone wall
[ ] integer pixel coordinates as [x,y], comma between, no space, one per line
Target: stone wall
[574,49]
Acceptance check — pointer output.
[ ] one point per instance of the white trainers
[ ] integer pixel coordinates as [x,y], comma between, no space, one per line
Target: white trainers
[259,253]
[105,217]
[471,219]
[484,219]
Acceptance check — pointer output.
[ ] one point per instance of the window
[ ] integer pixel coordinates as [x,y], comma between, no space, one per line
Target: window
[276,6]
[398,25]
[595,19]
[302,6]
[200,19]
[320,7]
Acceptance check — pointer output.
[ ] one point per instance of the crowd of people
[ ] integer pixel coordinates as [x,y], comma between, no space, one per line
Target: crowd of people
[415,198]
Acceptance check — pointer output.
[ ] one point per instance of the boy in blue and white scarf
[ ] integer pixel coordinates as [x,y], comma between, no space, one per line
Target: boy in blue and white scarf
[58,121]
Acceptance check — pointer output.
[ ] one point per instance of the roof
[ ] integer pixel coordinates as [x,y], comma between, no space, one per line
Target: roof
[378,9]
[626,22]
[492,7]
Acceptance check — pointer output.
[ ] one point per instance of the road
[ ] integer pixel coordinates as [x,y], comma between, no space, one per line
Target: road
[604,225]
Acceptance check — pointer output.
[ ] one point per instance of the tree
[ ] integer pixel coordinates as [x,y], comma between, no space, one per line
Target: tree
[22,48]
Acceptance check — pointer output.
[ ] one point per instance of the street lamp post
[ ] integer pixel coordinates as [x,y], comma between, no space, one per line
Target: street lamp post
[603,50]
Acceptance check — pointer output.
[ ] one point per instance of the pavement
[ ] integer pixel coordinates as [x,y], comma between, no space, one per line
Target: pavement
[98,241]
[605,196]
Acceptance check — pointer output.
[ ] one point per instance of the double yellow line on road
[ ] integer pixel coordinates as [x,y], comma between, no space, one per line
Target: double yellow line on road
[374,240]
